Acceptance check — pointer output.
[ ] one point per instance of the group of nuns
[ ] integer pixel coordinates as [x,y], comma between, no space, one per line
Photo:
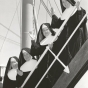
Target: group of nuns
[14,65]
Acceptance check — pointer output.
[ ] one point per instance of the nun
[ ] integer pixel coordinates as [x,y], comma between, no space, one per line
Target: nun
[25,65]
[81,34]
[11,73]
[70,50]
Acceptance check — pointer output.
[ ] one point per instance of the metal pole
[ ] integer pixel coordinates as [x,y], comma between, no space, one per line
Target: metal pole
[27,22]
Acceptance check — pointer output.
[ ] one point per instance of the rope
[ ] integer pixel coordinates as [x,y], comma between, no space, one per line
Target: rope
[46,8]
[9,30]
[18,15]
[57,7]
[38,9]
[61,49]
[9,40]
[45,51]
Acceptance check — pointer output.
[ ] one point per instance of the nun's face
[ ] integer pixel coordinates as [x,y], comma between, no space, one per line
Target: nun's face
[66,4]
[14,64]
[46,31]
[26,55]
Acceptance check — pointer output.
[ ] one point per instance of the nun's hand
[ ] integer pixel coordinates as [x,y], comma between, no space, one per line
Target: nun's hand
[78,5]
[19,72]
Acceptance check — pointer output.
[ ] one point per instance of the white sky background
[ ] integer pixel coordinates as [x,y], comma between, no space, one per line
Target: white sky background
[7,11]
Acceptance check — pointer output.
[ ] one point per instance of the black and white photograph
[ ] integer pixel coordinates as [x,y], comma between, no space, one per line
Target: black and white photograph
[43,43]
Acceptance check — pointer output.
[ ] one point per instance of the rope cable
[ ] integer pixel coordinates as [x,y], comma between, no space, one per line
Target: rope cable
[46,12]
[35,23]
[38,10]
[46,8]
[57,7]
[9,40]
[50,3]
